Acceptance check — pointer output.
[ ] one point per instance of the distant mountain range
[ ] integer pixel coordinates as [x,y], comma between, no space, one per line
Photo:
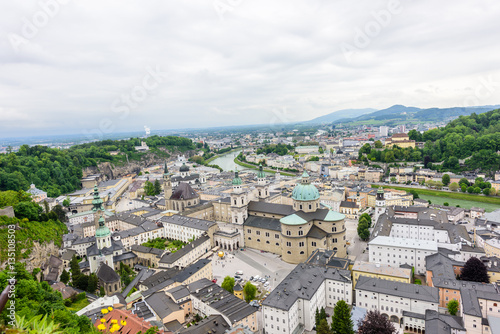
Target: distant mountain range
[341,114]
[399,113]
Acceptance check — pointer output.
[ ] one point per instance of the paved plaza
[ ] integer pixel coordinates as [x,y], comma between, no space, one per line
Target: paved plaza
[252,263]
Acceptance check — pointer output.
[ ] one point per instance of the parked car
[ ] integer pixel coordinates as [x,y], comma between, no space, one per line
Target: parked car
[251,278]
[237,276]
[214,280]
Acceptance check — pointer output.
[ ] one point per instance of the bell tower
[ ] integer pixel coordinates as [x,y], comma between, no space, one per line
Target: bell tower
[262,186]
[239,203]
[379,204]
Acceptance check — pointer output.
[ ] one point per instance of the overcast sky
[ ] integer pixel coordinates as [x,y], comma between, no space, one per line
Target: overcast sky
[113,66]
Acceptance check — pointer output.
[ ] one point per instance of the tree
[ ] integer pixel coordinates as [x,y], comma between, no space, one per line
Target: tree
[341,319]
[445,179]
[228,284]
[454,186]
[74,267]
[493,191]
[470,189]
[363,230]
[446,204]
[92,283]
[486,191]
[376,323]
[378,144]
[323,327]
[453,307]
[149,189]
[463,188]
[464,181]
[393,179]
[157,187]
[64,277]
[66,202]
[475,271]
[249,291]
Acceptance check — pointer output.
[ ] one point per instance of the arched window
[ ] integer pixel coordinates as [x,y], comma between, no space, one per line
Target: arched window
[300,206]
[301,232]
[310,206]
[301,252]
[289,252]
[116,287]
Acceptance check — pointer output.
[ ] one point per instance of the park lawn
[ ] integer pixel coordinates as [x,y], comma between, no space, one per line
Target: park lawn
[495,200]
[78,305]
[488,207]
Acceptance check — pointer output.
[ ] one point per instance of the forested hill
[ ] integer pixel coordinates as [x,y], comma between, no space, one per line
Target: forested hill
[59,171]
[474,136]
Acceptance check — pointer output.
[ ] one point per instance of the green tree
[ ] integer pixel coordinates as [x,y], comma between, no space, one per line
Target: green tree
[445,179]
[323,327]
[74,267]
[486,191]
[378,144]
[157,187]
[92,283]
[228,284]
[249,291]
[341,319]
[446,204]
[66,202]
[149,188]
[454,186]
[470,189]
[453,307]
[64,277]
[463,188]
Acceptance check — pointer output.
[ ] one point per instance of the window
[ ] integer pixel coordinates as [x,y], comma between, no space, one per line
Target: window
[258,240]
[288,233]
[301,244]
[249,231]
[313,243]
[267,234]
[301,232]
[258,232]
[277,236]
[334,229]
[310,207]
[288,244]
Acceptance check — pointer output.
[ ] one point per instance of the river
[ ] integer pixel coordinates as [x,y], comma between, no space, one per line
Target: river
[226,162]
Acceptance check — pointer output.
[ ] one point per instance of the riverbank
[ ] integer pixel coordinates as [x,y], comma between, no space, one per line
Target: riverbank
[250,166]
[479,199]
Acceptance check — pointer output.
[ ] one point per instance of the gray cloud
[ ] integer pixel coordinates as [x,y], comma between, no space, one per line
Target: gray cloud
[260,57]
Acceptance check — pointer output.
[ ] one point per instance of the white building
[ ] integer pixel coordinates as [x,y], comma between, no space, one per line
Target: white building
[291,306]
[186,255]
[184,228]
[398,251]
[395,299]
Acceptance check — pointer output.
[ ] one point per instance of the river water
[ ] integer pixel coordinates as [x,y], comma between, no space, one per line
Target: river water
[226,162]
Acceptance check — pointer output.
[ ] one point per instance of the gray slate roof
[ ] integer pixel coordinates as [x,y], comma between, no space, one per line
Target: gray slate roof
[302,283]
[405,290]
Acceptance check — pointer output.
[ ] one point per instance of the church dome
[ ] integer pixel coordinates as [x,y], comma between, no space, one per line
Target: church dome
[305,191]
[102,231]
[184,168]
[261,174]
[237,180]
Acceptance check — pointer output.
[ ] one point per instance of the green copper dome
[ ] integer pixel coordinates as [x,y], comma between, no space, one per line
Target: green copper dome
[305,191]
[261,174]
[102,230]
[237,180]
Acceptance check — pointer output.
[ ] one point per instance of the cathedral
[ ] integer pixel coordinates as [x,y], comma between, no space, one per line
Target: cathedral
[292,231]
